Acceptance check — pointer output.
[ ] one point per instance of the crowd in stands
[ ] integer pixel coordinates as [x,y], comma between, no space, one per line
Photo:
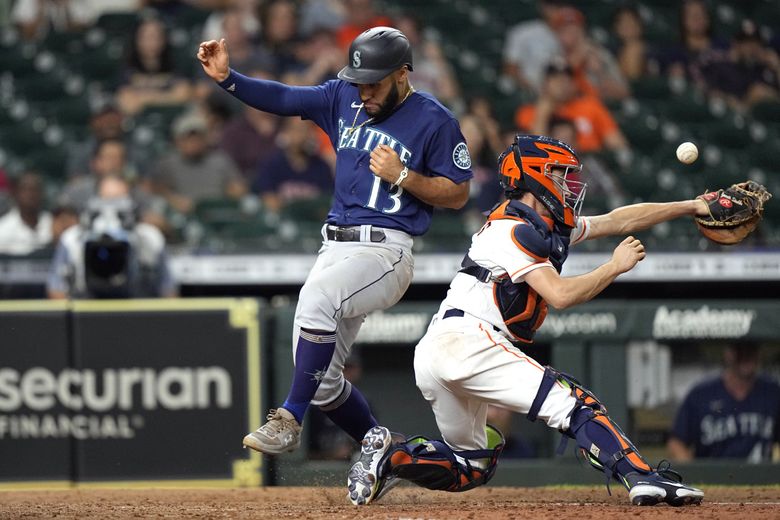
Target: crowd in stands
[181,143]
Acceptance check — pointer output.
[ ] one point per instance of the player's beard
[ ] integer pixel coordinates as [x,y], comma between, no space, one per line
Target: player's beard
[387,106]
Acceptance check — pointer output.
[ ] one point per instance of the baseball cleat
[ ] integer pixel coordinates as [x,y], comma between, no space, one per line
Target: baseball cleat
[280,434]
[663,485]
[363,481]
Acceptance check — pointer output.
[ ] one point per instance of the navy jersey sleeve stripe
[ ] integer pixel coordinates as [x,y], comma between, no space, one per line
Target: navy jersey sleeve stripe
[531,242]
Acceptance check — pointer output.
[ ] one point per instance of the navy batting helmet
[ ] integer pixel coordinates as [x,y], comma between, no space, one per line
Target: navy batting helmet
[375,54]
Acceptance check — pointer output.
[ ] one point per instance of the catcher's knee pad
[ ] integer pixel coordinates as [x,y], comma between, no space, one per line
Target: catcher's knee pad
[434,465]
[599,439]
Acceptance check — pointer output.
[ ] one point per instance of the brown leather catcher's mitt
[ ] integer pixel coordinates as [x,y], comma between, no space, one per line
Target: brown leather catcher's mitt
[734,212]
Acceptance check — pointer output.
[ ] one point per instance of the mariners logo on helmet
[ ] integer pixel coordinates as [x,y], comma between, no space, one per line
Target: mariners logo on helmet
[461,157]
[375,54]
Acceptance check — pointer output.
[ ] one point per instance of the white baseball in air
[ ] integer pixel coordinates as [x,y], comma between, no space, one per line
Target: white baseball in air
[687,152]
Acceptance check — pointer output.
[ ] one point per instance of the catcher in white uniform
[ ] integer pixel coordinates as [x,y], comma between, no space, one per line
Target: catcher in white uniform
[469,357]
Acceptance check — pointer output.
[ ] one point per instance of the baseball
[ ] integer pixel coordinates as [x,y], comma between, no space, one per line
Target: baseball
[687,153]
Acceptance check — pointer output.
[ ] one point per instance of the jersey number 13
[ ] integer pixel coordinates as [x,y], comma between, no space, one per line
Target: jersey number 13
[394,193]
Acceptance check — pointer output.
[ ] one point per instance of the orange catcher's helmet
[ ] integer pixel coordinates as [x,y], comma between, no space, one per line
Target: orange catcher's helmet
[542,166]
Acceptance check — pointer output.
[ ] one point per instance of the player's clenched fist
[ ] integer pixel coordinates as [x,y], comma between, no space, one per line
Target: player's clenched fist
[385,163]
[213,56]
[627,254]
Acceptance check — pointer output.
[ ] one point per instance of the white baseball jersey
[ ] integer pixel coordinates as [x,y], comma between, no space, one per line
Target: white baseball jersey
[463,363]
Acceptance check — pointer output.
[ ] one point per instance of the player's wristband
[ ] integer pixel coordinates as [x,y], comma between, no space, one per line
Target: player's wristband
[401,176]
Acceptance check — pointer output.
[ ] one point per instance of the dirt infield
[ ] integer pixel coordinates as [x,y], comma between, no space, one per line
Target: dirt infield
[403,503]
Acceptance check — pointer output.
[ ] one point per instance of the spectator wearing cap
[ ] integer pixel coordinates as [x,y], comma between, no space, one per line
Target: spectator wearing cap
[529,47]
[106,122]
[193,171]
[27,226]
[596,129]
[734,415]
[748,74]
[596,72]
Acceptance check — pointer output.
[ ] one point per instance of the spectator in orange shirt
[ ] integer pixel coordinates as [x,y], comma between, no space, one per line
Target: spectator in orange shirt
[361,15]
[596,129]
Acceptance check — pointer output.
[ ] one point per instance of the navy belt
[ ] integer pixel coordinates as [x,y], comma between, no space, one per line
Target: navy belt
[457,313]
[351,234]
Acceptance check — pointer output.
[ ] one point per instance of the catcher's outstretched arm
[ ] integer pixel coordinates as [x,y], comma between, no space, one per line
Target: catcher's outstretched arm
[636,217]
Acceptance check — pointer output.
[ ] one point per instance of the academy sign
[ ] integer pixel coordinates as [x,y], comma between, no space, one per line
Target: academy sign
[703,322]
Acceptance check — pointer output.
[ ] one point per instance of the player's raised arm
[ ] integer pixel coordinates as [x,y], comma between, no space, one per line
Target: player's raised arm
[637,217]
[562,292]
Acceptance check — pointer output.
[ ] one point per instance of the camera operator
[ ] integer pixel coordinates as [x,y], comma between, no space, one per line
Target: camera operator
[110,254]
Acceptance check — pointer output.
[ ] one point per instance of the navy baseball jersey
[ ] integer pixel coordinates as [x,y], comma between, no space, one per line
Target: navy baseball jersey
[717,425]
[425,135]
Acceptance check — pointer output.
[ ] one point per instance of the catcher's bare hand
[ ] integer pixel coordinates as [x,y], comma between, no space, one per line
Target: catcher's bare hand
[385,163]
[214,58]
[627,254]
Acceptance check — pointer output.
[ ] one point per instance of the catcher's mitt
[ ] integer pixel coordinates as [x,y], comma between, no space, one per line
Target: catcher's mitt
[734,212]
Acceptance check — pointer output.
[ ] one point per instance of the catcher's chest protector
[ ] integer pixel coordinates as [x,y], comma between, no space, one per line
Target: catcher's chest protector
[522,309]
[434,465]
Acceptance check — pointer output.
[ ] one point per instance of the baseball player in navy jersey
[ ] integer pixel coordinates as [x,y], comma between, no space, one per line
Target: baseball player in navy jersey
[399,153]
[470,356]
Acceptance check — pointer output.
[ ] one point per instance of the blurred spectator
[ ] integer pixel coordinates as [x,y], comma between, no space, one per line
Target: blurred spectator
[595,70]
[110,254]
[596,129]
[319,59]
[296,172]
[633,52]
[149,77]
[26,227]
[361,15]
[321,14]
[482,110]
[485,189]
[5,196]
[748,74]
[279,20]
[529,47]
[192,171]
[697,43]
[250,137]
[601,181]
[62,218]
[244,55]
[736,415]
[432,72]
[515,447]
[105,123]
[248,14]
[109,158]
[35,18]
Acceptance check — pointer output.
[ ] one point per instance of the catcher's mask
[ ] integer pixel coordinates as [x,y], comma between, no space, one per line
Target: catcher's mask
[542,165]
